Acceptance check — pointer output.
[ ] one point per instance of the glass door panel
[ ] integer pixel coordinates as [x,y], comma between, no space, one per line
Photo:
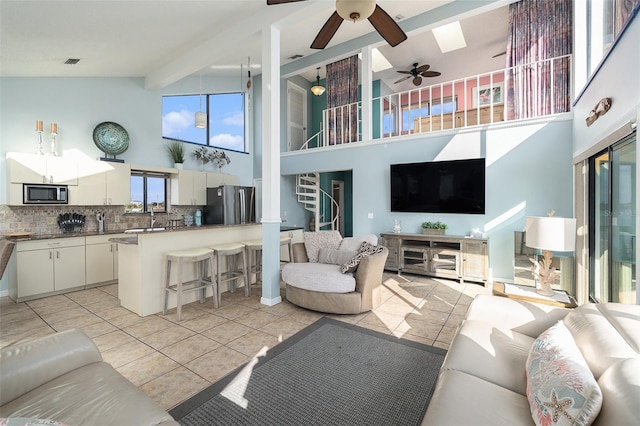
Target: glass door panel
[612,244]
[623,223]
[599,282]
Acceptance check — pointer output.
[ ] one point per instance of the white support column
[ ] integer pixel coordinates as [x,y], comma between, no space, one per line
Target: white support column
[366,79]
[270,166]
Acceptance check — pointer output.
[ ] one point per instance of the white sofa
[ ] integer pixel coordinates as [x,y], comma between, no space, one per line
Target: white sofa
[483,380]
[62,378]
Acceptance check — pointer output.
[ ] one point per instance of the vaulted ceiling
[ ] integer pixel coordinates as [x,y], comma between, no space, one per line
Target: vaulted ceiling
[164,41]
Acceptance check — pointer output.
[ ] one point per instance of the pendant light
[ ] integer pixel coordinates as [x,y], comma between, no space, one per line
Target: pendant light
[318,89]
[201,117]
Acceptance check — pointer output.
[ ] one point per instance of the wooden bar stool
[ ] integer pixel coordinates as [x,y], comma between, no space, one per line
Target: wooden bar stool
[203,259]
[229,252]
[254,251]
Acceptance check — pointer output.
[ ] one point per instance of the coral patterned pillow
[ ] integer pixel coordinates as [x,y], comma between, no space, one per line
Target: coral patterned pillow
[560,387]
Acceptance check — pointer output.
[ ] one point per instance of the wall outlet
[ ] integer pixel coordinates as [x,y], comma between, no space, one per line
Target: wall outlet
[370,216]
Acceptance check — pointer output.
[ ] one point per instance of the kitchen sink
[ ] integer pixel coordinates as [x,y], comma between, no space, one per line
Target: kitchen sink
[134,230]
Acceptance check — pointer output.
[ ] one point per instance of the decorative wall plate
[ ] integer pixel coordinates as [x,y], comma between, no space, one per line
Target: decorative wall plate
[111,138]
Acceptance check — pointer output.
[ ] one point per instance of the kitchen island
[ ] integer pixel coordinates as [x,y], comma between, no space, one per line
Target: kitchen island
[142,265]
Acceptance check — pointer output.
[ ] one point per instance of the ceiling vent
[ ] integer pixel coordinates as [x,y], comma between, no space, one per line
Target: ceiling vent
[296,56]
[71,61]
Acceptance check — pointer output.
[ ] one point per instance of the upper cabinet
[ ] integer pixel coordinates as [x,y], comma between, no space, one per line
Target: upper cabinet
[103,183]
[189,187]
[33,168]
[214,180]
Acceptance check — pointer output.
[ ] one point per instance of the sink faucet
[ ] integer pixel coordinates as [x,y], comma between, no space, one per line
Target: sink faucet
[153,219]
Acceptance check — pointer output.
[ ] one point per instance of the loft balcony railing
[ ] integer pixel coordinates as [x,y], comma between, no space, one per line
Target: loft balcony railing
[534,90]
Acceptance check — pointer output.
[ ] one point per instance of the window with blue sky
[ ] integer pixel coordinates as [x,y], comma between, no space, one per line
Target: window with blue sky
[226,120]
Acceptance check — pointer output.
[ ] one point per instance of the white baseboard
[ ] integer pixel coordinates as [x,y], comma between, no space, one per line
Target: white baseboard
[270,302]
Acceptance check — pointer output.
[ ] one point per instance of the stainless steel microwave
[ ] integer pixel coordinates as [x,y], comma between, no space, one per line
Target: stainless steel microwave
[39,193]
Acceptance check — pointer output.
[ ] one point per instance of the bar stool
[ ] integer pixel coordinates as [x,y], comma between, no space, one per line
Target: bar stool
[229,252]
[202,258]
[254,251]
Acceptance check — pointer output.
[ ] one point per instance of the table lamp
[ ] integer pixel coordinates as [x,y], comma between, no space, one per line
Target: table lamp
[549,234]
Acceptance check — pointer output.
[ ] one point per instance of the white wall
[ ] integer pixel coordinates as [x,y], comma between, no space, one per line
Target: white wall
[79,104]
[529,173]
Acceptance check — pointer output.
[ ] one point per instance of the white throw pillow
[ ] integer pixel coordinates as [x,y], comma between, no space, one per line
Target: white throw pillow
[560,387]
[314,241]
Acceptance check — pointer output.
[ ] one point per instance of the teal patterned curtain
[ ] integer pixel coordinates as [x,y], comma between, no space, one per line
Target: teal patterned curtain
[539,30]
[342,90]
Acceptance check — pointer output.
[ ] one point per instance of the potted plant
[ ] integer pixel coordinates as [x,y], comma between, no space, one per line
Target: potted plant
[176,153]
[433,228]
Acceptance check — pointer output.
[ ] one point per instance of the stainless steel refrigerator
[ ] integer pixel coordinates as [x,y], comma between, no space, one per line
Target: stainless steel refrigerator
[230,205]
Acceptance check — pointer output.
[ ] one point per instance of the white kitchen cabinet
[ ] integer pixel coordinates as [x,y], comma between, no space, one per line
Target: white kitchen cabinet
[103,183]
[101,259]
[32,168]
[188,188]
[296,236]
[49,266]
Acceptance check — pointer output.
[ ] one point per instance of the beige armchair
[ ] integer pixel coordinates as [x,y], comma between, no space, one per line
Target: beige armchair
[301,290]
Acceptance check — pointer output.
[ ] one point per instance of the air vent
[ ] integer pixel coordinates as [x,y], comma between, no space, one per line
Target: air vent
[296,56]
[71,61]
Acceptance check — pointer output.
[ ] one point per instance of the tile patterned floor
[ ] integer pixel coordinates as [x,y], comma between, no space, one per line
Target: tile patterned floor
[171,361]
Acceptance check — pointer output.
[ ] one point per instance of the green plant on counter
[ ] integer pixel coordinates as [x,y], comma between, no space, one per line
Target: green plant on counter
[176,151]
[434,225]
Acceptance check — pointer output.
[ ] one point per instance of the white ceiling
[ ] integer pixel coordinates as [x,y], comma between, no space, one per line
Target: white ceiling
[165,40]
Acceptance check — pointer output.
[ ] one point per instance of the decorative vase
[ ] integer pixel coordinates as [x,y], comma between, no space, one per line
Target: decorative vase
[178,165]
[431,231]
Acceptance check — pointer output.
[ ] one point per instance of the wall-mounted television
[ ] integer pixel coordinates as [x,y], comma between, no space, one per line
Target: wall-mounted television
[456,186]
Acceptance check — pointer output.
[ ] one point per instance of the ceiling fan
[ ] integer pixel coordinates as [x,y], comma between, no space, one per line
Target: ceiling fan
[356,10]
[417,73]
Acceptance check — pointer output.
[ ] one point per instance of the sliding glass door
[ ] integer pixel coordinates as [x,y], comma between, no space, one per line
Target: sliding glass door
[612,211]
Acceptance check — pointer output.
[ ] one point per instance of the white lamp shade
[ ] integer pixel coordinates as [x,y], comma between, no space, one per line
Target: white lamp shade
[348,9]
[551,233]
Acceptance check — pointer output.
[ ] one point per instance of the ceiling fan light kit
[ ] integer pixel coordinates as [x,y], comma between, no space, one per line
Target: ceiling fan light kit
[355,10]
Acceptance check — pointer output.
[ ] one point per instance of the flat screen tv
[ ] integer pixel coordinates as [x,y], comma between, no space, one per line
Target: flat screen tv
[456,186]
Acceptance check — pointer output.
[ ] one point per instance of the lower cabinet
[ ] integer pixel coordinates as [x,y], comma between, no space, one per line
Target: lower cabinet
[48,266]
[101,259]
[461,258]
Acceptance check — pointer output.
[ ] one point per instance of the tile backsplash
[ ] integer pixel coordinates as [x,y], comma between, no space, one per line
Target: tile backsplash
[43,220]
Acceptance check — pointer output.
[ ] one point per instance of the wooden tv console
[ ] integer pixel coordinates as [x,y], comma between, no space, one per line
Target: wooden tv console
[444,256]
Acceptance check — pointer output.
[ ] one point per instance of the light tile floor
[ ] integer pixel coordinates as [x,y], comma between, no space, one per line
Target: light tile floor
[171,361]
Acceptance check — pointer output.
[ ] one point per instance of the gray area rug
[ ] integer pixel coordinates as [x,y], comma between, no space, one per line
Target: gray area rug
[330,373]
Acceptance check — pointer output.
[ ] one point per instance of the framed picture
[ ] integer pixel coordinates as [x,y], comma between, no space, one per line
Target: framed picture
[485,95]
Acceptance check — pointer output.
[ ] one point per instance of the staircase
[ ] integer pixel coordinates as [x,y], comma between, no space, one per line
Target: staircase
[316,200]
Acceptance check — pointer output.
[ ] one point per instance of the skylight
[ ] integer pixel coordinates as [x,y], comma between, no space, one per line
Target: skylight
[378,61]
[450,37]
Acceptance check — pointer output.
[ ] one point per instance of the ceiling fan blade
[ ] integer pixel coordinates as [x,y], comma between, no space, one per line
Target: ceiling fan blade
[402,79]
[387,27]
[430,74]
[327,31]
[417,81]
[423,68]
[270,2]
[404,72]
